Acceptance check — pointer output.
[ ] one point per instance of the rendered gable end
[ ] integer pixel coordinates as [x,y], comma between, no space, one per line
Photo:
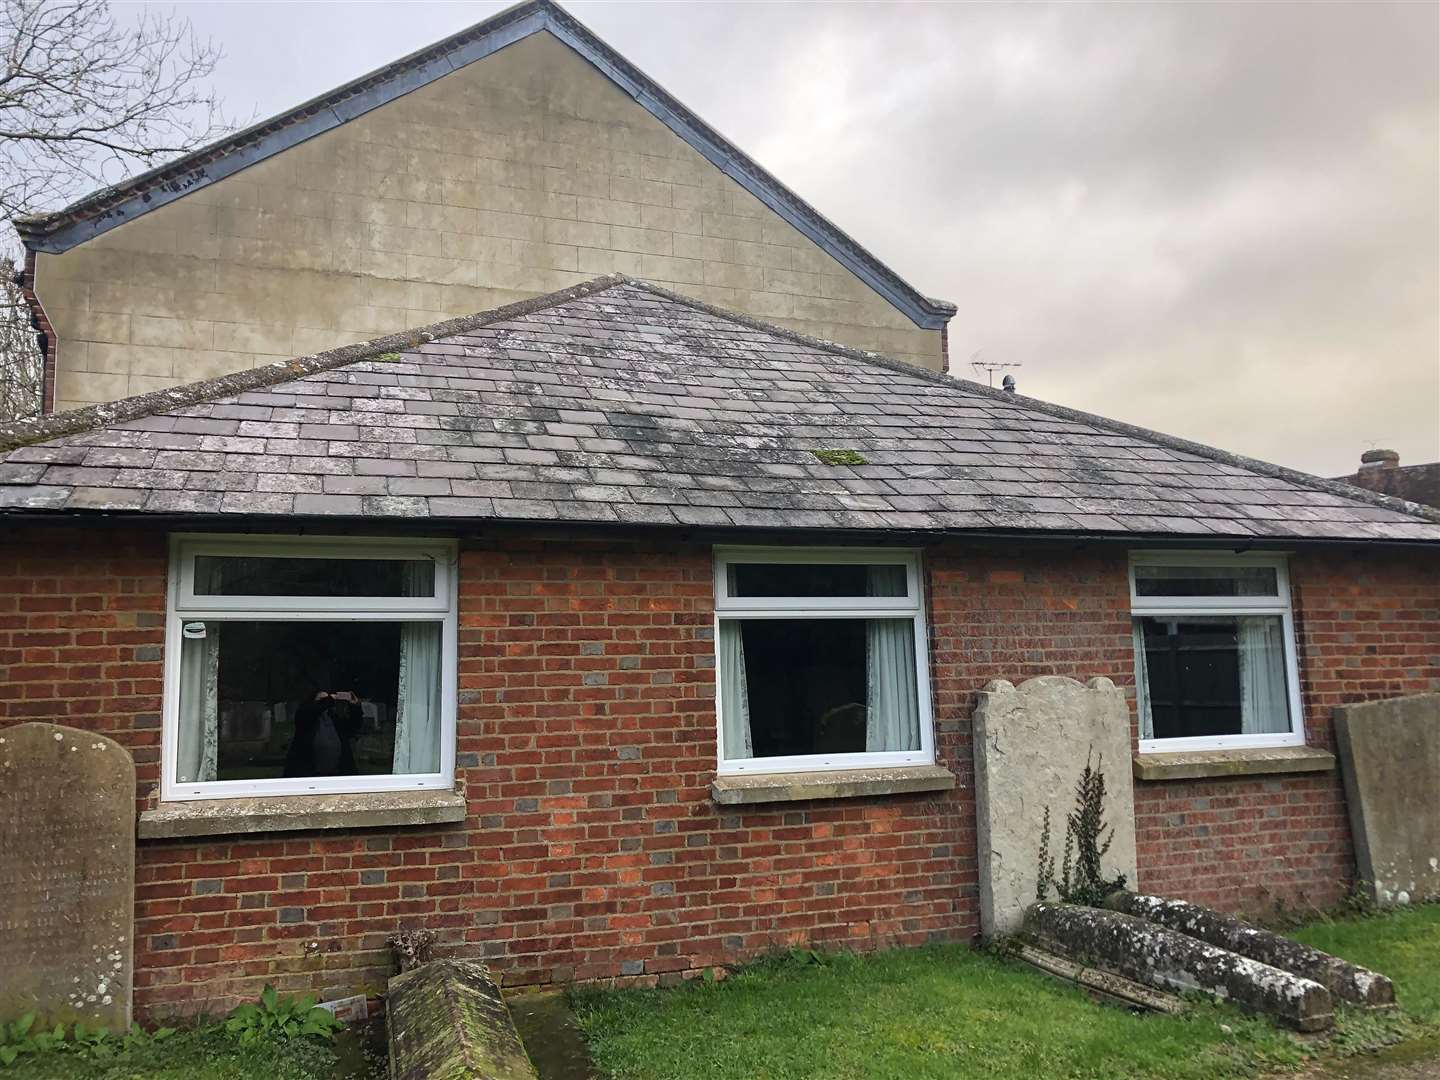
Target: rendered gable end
[516,175]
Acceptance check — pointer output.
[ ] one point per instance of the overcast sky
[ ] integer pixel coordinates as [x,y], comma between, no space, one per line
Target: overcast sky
[1217,220]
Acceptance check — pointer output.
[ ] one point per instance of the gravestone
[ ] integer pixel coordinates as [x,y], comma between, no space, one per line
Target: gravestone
[1390,759]
[1031,744]
[67,875]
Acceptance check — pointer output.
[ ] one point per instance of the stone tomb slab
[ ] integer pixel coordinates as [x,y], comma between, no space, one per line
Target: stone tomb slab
[67,875]
[1390,759]
[1031,744]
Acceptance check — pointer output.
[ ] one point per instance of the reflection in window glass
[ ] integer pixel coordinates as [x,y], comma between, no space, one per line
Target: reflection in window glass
[262,700]
[246,575]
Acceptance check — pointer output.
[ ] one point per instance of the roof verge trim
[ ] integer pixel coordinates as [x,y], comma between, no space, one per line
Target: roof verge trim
[103,210]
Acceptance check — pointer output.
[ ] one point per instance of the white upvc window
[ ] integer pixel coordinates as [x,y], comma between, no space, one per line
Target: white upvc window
[315,665]
[821,660]
[1215,664]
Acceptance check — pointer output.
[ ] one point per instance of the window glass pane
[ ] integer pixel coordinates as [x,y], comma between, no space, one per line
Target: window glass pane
[818,686]
[247,575]
[266,700]
[816,579]
[1206,581]
[1214,676]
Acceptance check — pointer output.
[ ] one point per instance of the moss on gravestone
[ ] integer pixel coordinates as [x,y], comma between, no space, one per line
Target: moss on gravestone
[448,1021]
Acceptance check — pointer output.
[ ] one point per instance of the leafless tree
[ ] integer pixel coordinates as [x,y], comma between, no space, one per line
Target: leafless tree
[86,100]
[21,365]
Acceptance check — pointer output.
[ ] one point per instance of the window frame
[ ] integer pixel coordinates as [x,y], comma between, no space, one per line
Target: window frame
[182,605]
[1182,606]
[911,606]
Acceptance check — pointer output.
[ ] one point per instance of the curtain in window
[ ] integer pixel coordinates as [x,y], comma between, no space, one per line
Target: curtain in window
[734,693]
[198,742]
[892,713]
[1142,683]
[1264,699]
[417,698]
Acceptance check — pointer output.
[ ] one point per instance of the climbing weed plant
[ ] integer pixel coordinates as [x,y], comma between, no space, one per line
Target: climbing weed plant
[1081,879]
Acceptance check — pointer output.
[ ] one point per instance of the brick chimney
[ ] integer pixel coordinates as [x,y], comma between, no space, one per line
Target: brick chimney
[1379,459]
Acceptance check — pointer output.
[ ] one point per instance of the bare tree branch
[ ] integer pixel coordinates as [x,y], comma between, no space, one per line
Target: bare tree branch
[84,102]
[21,365]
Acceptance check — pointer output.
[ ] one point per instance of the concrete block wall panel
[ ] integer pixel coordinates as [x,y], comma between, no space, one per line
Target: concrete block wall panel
[522,173]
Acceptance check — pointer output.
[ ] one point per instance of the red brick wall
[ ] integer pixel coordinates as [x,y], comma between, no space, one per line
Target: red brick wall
[1368,624]
[587,742]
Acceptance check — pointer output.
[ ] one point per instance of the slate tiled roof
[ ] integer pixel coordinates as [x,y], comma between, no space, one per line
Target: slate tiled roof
[619,402]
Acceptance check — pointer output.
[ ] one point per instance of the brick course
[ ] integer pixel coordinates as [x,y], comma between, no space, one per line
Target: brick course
[587,741]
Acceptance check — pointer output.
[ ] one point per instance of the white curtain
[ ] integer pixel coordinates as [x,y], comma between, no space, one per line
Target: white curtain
[198,744]
[734,693]
[1264,700]
[417,704]
[1142,683]
[892,713]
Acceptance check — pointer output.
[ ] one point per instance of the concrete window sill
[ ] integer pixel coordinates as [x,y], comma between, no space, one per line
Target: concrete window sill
[1201,764]
[287,813]
[839,784]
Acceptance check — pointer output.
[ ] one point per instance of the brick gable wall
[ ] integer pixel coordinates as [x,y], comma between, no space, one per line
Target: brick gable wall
[587,741]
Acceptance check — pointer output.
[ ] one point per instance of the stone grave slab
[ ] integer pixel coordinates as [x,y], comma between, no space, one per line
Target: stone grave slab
[1390,760]
[1031,743]
[67,875]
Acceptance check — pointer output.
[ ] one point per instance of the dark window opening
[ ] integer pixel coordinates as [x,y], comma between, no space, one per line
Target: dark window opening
[251,575]
[272,720]
[1193,669]
[1206,581]
[806,682]
[816,579]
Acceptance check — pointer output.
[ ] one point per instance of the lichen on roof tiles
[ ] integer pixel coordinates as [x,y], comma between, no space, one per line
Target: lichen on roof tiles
[620,403]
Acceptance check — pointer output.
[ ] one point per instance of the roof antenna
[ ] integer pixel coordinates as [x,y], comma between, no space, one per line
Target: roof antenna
[990,367]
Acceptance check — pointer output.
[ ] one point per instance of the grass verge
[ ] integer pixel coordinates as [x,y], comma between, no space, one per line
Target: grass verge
[1403,944]
[937,1012]
[946,1012]
[205,1054]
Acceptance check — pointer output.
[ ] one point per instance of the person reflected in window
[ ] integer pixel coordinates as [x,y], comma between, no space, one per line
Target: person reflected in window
[326,727]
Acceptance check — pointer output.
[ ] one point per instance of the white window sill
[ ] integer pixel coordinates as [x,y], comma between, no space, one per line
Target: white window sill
[748,789]
[289,813]
[1246,761]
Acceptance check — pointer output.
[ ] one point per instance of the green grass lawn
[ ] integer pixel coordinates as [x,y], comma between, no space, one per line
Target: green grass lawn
[948,1012]
[189,1055]
[1404,945]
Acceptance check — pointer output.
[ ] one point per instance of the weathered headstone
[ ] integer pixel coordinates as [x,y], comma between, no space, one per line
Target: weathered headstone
[1031,744]
[67,875]
[448,1018]
[1390,759]
[1169,960]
